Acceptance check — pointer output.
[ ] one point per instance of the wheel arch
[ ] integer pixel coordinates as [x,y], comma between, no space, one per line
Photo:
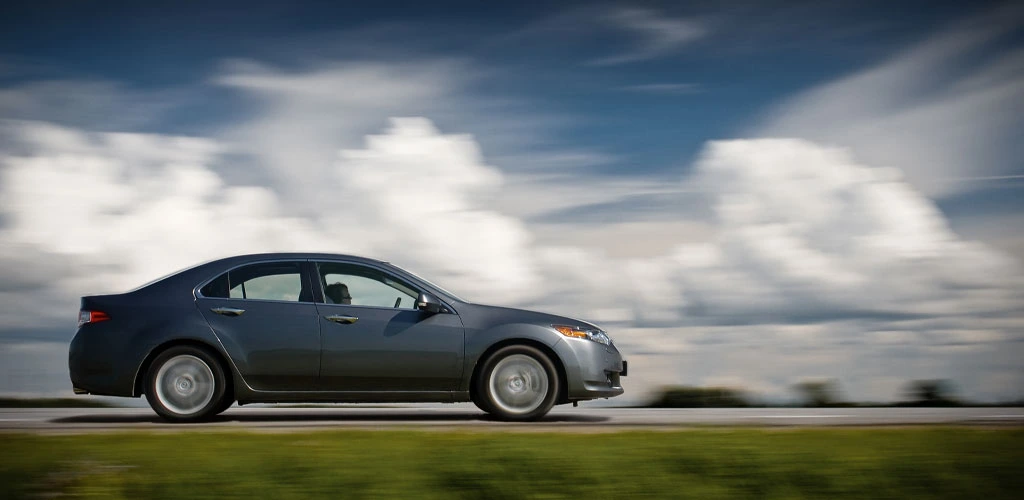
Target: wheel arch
[540,346]
[140,374]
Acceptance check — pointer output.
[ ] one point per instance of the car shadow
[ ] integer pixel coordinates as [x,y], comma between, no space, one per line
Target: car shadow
[339,416]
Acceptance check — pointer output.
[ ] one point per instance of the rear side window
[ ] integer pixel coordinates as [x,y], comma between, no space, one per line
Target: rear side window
[282,281]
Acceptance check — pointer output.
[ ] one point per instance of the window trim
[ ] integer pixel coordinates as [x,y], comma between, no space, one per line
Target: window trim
[309,270]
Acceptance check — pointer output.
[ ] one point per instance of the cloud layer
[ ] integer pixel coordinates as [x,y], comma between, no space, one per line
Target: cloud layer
[801,234]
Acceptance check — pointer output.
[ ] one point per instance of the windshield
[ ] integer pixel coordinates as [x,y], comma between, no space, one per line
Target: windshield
[430,283]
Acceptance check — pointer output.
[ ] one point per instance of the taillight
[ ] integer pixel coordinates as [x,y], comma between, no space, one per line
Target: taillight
[91,317]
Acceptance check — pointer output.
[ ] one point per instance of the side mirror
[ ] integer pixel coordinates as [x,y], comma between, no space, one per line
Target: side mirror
[428,303]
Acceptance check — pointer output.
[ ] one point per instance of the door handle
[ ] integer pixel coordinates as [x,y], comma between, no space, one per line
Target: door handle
[342,318]
[228,311]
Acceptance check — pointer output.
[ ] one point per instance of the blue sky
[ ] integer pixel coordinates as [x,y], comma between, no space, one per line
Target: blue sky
[746,57]
[836,184]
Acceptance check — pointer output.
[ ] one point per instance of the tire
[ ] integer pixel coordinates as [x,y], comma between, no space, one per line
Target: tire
[480,401]
[225,404]
[517,383]
[186,384]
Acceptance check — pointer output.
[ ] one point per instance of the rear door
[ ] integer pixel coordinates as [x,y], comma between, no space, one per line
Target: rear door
[264,315]
[374,339]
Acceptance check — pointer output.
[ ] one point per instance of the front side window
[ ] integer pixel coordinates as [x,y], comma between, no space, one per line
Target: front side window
[280,281]
[362,286]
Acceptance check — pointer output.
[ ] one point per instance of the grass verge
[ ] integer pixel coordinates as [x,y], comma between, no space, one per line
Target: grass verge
[53,403]
[699,463]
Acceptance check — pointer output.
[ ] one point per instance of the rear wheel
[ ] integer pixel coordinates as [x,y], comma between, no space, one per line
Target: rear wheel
[517,383]
[186,384]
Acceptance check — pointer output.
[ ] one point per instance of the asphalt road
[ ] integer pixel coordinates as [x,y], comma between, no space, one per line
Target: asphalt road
[74,420]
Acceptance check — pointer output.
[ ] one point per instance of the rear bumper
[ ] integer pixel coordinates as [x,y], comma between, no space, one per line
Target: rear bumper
[99,366]
[592,370]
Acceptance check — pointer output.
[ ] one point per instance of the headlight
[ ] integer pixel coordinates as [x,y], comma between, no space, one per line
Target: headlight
[583,333]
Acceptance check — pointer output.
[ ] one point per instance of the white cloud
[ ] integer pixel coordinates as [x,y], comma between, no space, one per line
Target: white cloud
[657,35]
[944,111]
[301,118]
[805,230]
[131,207]
[421,197]
[126,208]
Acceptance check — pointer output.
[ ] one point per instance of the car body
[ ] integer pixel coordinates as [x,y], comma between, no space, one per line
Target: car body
[304,327]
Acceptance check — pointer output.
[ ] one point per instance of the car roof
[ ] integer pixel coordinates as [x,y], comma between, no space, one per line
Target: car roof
[188,276]
[296,255]
[203,270]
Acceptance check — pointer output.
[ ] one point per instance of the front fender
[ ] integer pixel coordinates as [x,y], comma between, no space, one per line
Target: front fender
[478,343]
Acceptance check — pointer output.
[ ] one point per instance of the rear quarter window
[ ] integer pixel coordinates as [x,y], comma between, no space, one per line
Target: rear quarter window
[280,281]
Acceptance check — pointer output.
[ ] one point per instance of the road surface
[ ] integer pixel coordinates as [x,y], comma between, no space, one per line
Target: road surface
[75,420]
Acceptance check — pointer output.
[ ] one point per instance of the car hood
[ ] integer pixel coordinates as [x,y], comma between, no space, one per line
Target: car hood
[498,314]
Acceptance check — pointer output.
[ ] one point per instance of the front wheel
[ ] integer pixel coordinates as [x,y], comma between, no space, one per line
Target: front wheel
[186,384]
[518,383]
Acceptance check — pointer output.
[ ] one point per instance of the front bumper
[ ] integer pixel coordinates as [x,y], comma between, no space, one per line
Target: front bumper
[592,370]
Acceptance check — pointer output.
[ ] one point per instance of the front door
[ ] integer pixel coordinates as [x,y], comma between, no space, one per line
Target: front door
[374,339]
[264,315]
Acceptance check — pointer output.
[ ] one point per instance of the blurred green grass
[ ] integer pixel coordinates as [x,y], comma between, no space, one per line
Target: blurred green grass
[53,403]
[694,463]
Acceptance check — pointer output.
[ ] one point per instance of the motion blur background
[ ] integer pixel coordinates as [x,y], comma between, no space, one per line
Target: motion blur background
[744,194]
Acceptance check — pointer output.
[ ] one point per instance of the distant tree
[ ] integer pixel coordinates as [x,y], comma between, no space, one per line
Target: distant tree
[934,392]
[818,392]
[700,397]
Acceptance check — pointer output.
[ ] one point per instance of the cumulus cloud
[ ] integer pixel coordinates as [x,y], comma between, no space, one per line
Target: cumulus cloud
[802,233]
[428,191]
[805,230]
[300,117]
[131,207]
